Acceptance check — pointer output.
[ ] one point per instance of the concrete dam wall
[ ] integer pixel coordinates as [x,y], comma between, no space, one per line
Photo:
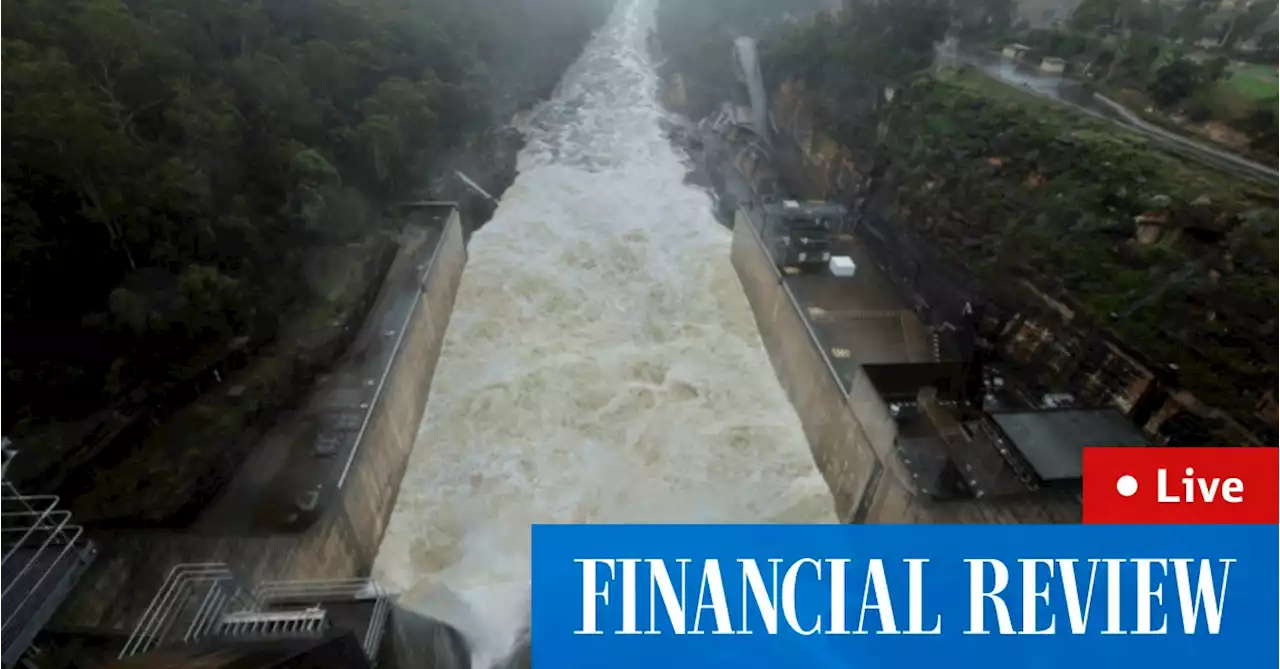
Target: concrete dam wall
[375,480]
[415,303]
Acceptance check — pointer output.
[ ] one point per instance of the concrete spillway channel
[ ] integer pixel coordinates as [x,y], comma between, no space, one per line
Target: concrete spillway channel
[604,365]
[854,442]
[842,417]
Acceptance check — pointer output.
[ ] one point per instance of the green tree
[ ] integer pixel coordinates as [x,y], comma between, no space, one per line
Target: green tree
[983,18]
[1215,69]
[1269,44]
[1175,82]
[169,166]
[1119,16]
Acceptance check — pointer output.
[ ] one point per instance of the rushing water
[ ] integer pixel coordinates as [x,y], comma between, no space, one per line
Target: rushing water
[602,363]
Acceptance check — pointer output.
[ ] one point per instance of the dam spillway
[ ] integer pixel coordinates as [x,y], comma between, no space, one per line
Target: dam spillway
[609,360]
[602,363]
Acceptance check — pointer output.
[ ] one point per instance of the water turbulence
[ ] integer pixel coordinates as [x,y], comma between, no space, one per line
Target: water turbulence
[432,628]
[602,364]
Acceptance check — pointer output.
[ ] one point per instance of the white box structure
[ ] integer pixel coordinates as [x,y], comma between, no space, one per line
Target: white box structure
[842,266]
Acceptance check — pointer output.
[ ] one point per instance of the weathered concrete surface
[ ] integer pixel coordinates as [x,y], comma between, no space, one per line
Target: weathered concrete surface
[343,541]
[840,448]
[375,479]
[867,480]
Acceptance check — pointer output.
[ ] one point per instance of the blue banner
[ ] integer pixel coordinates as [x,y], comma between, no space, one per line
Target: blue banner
[817,596]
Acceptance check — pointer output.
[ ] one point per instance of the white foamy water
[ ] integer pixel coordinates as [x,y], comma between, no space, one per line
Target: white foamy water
[601,365]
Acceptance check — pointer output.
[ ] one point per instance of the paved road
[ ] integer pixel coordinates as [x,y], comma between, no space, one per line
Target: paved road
[1231,160]
[1070,93]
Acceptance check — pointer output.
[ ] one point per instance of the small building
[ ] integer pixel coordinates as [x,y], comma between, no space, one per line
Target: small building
[1015,51]
[1053,65]
[915,411]
[1052,441]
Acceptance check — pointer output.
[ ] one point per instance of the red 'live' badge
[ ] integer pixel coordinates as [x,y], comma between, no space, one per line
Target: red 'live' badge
[1181,485]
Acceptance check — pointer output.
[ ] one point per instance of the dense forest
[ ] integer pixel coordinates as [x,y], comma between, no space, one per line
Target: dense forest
[175,170]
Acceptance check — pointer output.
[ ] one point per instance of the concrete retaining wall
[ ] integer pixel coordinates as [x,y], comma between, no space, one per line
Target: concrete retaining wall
[370,491]
[840,448]
[867,482]
[344,541]
[873,416]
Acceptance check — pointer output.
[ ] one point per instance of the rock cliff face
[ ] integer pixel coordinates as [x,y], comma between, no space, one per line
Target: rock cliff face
[675,96]
[826,168]
[1114,273]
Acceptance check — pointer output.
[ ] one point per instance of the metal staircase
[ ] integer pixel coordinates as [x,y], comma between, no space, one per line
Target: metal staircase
[201,602]
[317,593]
[256,624]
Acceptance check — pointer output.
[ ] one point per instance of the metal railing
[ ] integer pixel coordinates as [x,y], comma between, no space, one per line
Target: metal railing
[44,555]
[752,226]
[274,593]
[256,624]
[195,595]
[199,601]
[452,223]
